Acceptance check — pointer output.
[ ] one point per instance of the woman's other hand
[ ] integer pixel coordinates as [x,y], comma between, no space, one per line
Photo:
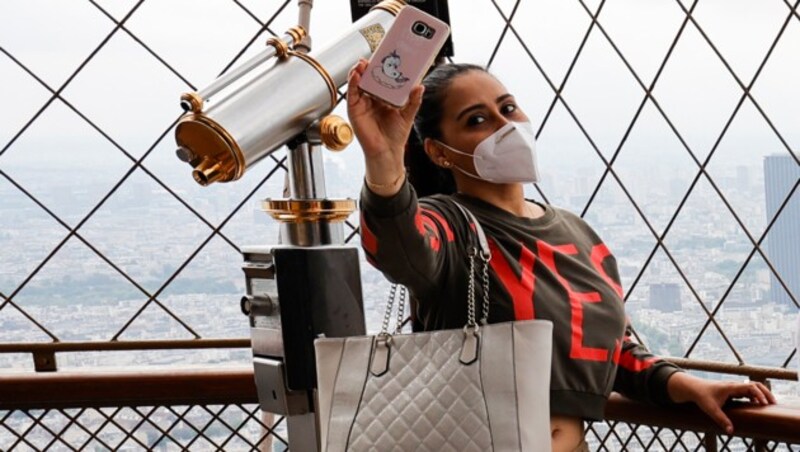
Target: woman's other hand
[382,130]
[711,395]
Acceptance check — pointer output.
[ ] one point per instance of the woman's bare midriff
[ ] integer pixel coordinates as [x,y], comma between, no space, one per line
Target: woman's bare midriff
[566,432]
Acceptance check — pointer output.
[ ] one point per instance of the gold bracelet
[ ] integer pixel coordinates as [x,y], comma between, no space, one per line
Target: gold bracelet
[374,186]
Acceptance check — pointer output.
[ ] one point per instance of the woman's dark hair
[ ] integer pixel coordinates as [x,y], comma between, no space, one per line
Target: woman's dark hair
[426,177]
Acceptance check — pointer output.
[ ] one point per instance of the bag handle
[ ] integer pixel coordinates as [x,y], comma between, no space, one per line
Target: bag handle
[483,243]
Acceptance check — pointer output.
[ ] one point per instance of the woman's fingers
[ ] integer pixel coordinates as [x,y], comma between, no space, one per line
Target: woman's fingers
[756,392]
[409,111]
[714,411]
[353,92]
[765,390]
[713,395]
[764,395]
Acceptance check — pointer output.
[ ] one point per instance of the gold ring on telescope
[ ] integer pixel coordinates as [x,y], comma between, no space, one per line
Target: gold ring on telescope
[322,71]
[281,48]
[309,210]
[297,33]
[391,6]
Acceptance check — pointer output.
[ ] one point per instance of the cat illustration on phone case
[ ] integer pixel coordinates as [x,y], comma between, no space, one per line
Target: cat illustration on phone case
[388,74]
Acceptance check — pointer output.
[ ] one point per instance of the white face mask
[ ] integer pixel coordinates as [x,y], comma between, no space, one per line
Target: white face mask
[506,156]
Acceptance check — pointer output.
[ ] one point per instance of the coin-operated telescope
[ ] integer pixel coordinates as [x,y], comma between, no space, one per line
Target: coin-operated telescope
[272,98]
[309,285]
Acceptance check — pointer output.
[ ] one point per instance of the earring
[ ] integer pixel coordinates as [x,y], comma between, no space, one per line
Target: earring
[447,163]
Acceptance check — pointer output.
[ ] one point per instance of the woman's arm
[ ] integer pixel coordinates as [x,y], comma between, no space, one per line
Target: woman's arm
[644,376]
[382,130]
[406,241]
[640,374]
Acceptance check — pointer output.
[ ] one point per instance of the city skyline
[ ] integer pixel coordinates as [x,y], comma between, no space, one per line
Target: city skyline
[685,100]
[660,141]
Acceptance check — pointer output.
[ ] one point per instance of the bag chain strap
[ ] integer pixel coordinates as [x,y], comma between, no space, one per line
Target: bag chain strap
[472,253]
[484,258]
[471,321]
[400,310]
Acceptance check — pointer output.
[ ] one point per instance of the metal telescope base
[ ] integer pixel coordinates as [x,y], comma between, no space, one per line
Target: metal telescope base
[295,295]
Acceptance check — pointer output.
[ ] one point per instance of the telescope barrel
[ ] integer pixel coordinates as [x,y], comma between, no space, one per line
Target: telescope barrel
[275,102]
[236,73]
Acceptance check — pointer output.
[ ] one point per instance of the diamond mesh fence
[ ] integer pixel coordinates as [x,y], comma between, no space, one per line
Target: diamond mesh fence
[224,427]
[616,436]
[670,126]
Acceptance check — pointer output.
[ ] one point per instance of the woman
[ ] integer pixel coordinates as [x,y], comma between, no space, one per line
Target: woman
[476,146]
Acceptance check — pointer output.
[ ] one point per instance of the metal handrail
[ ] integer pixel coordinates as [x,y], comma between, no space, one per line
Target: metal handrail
[127,387]
[101,346]
[759,373]
[769,423]
[207,386]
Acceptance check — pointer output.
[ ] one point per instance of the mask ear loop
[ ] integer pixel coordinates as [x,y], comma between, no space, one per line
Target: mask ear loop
[454,166]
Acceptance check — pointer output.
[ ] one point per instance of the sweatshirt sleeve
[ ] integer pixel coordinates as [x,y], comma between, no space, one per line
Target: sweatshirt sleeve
[640,374]
[404,239]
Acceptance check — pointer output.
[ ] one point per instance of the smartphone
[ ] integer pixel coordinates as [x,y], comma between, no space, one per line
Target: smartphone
[404,55]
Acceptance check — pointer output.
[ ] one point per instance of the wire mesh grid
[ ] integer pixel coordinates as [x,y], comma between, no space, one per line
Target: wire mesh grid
[512,31]
[616,436]
[198,427]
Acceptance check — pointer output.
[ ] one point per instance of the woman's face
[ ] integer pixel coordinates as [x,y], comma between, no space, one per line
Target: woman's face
[476,105]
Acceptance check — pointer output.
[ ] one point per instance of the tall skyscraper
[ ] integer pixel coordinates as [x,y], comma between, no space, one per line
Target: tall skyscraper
[781,172]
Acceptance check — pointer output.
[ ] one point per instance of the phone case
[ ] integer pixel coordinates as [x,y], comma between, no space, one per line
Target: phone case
[403,56]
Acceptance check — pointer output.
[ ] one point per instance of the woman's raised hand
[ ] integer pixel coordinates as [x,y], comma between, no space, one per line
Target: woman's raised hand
[382,130]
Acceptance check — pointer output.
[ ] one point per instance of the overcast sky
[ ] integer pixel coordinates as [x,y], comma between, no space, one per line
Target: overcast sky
[133,97]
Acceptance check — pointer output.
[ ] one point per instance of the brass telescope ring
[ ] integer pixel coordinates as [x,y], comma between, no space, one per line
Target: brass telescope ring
[391,6]
[281,48]
[309,210]
[322,72]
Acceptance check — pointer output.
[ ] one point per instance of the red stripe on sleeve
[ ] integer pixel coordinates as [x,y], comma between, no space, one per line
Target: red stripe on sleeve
[427,228]
[629,362]
[448,232]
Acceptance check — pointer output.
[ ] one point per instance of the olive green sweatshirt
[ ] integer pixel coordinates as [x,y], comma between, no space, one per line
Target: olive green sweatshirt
[554,268]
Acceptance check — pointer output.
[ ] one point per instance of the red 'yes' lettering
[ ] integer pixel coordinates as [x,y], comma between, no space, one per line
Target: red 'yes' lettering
[521,289]
[599,254]
[576,301]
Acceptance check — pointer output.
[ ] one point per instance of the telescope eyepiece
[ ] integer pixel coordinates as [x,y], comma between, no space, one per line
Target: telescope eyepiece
[206,173]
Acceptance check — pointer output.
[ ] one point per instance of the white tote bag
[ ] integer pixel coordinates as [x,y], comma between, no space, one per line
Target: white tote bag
[480,388]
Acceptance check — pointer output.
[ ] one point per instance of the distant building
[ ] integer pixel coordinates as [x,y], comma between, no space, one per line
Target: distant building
[781,172]
[666,297]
